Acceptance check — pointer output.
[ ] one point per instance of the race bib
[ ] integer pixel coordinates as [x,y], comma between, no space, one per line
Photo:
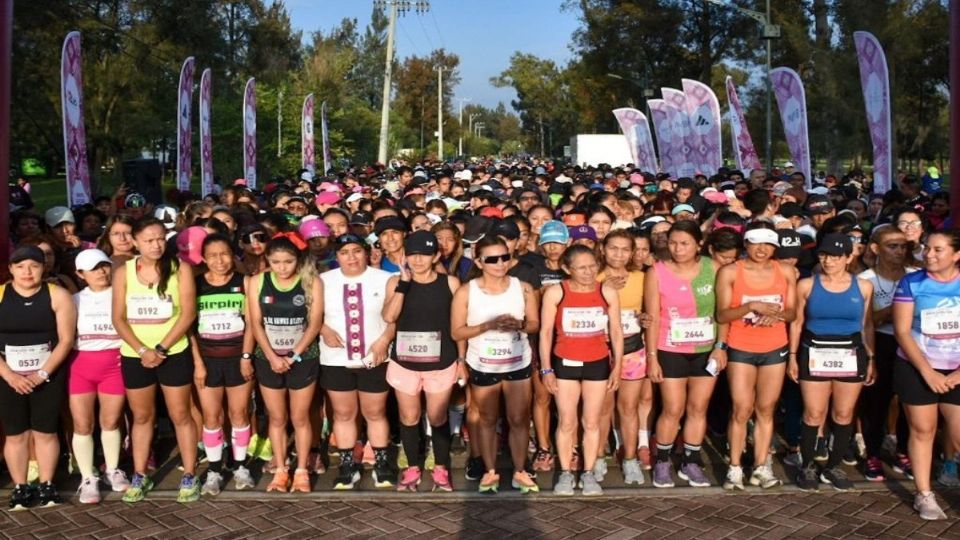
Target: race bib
[940,323]
[584,321]
[768,298]
[420,347]
[695,330]
[828,362]
[26,358]
[220,324]
[92,326]
[283,338]
[149,309]
[501,348]
[630,322]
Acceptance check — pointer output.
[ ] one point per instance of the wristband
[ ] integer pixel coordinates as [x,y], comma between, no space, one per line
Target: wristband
[141,350]
[403,287]
[545,372]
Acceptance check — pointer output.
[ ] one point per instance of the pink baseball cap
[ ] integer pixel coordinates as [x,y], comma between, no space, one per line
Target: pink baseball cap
[190,245]
[327,197]
[314,228]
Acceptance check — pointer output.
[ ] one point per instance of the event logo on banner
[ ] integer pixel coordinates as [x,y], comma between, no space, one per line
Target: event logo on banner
[682,134]
[792,102]
[704,112]
[661,125]
[744,151]
[74,133]
[637,131]
[875,81]
[206,139]
[250,134]
[306,135]
[325,134]
[184,131]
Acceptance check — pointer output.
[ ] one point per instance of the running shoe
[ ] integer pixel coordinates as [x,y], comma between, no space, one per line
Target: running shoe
[213,484]
[260,448]
[589,484]
[663,474]
[948,474]
[242,479]
[734,479]
[822,450]
[565,484]
[645,457]
[474,469]
[280,482]
[301,481]
[522,481]
[873,470]
[490,482]
[33,471]
[347,476]
[632,472]
[793,459]
[384,475]
[600,469]
[542,460]
[926,505]
[836,477]
[763,477]
[47,495]
[88,491]
[694,475]
[441,479]
[140,485]
[902,465]
[410,479]
[21,498]
[807,479]
[116,479]
[189,489]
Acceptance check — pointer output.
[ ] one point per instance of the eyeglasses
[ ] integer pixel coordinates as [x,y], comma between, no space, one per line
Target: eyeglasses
[494,259]
[915,224]
[250,237]
[857,239]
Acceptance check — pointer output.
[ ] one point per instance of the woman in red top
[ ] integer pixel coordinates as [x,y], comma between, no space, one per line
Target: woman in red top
[576,360]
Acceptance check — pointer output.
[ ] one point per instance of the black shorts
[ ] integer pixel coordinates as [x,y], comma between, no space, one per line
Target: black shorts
[175,370]
[301,374]
[633,343]
[344,379]
[481,378]
[913,390]
[772,358]
[855,342]
[585,371]
[39,410]
[683,365]
[223,372]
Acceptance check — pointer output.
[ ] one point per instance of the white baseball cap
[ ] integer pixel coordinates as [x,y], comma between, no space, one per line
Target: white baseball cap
[89,259]
[58,215]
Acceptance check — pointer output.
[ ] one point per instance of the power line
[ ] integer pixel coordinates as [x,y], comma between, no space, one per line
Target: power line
[437,26]
[424,30]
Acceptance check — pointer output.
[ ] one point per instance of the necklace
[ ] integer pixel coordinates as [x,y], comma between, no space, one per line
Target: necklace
[150,284]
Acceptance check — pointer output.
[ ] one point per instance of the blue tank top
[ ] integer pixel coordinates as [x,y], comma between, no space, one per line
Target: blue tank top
[834,313]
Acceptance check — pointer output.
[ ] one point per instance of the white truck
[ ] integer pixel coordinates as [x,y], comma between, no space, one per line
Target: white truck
[596,149]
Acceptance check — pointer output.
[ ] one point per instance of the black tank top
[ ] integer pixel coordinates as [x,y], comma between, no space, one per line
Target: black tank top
[285,318]
[426,312]
[220,324]
[25,322]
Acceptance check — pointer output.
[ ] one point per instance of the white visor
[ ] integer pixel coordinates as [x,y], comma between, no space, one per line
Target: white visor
[762,236]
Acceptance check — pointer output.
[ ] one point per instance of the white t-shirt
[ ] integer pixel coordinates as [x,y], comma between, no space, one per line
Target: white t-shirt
[883,290]
[95,331]
[353,307]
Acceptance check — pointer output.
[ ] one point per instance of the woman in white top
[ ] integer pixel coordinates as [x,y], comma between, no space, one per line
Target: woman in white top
[494,313]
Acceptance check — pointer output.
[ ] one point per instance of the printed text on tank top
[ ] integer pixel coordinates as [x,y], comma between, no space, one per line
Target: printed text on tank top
[36,308]
[220,313]
[149,307]
[284,332]
[94,318]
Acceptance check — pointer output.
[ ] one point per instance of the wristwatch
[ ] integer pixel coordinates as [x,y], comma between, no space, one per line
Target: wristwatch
[161,349]
[294,356]
[43,375]
[721,345]
[246,356]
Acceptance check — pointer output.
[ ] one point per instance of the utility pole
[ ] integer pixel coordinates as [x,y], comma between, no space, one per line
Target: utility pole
[421,124]
[279,124]
[460,121]
[396,7]
[470,122]
[440,70]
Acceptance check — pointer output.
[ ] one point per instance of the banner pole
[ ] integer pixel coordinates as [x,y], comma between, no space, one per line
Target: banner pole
[6,54]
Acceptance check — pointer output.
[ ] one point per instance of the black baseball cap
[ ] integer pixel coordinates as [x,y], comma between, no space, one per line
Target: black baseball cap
[507,229]
[361,218]
[818,204]
[790,209]
[389,223]
[476,228]
[348,238]
[835,244]
[421,243]
[791,245]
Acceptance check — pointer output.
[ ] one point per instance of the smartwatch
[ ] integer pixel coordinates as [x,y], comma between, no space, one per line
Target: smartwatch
[721,345]
[294,356]
[161,349]
[246,356]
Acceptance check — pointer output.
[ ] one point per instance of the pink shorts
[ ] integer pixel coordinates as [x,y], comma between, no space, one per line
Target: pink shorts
[412,382]
[96,371]
[634,366]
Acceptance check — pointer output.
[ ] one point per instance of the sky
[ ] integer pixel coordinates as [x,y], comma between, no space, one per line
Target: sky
[483,33]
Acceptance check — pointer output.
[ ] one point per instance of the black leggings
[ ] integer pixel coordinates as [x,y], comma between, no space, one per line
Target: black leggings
[875,400]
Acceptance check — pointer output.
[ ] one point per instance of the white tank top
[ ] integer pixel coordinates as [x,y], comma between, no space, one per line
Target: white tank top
[352,306]
[494,351]
[95,331]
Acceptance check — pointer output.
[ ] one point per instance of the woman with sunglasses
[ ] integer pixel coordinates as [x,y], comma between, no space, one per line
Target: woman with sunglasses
[926,311]
[253,243]
[285,315]
[494,314]
[154,304]
[353,352]
[679,293]
[831,357]
[889,246]
[756,297]
[578,365]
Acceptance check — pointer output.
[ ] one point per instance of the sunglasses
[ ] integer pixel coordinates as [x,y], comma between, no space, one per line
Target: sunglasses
[494,259]
[250,237]
[857,239]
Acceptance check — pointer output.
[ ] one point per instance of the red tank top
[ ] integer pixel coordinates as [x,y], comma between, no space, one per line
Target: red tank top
[581,326]
[743,335]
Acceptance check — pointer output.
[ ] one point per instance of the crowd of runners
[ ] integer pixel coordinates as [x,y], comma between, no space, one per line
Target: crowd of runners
[563,318]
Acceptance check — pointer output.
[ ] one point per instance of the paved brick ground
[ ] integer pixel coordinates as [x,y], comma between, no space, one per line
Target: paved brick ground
[872,514]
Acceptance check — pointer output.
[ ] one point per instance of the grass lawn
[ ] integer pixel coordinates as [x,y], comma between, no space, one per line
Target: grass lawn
[49,192]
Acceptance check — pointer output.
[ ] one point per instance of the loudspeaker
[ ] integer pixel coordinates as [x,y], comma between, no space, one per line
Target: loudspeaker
[143,176]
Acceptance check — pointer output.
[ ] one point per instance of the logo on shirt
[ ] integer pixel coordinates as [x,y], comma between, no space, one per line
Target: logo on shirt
[704,290]
[299,300]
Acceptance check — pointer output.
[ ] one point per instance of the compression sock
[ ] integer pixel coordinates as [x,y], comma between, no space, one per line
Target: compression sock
[111,441]
[240,439]
[213,442]
[83,452]
[441,444]
[808,443]
[841,441]
[410,438]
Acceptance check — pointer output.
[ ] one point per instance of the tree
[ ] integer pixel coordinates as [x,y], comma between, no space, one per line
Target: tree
[416,99]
